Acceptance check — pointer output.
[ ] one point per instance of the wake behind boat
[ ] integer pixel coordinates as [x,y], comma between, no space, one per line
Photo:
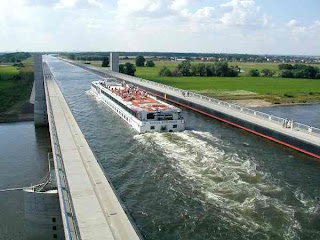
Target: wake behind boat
[145,113]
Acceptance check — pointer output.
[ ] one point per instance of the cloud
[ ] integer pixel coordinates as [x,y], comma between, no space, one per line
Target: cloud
[96,3]
[65,4]
[179,4]
[243,13]
[292,23]
[152,25]
[311,30]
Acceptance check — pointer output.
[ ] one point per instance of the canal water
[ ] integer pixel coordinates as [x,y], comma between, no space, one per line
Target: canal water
[211,181]
[23,161]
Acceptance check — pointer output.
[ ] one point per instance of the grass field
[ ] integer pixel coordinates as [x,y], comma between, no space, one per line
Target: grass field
[7,72]
[15,86]
[270,89]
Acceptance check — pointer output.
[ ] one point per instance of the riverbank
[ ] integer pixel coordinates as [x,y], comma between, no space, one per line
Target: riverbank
[15,87]
[256,103]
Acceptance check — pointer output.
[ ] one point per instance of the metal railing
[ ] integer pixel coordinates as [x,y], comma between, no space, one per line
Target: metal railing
[67,211]
[261,115]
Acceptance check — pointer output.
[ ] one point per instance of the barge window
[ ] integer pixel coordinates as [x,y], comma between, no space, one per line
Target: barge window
[150,116]
[174,126]
[152,127]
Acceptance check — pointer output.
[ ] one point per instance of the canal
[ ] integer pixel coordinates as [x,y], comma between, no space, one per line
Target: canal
[211,181]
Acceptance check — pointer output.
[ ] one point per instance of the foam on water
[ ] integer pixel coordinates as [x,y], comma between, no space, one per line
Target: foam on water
[93,95]
[231,183]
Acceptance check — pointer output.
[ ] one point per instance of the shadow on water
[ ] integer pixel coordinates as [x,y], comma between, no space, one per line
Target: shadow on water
[211,181]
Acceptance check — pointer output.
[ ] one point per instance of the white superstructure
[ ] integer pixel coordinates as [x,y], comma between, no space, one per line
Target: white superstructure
[142,111]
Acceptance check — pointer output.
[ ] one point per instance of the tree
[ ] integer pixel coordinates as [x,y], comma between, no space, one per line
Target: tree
[267,72]
[122,68]
[72,56]
[195,70]
[285,66]
[105,62]
[202,70]
[184,68]
[140,60]
[210,70]
[131,69]
[285,73]
[237,68]
[254,73]
[127,68]
[233,72]
[150,63]
[165,72]
[221,69]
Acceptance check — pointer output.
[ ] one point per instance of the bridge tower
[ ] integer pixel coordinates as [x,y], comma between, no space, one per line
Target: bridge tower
[40,107]
[114,62]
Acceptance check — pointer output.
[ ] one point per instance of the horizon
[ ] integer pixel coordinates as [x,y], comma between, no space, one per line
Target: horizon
[162,52]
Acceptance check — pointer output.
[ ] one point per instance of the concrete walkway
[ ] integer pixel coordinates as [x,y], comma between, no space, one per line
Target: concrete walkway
[98,211]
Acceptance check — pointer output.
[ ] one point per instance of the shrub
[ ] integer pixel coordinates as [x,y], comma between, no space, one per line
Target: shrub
[127,68]
[285,74]
[254,73]
[165,72]
[267,72]
[150,63]
[184,68]
[140,60]
[105,62]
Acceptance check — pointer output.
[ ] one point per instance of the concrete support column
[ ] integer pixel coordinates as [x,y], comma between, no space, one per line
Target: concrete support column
[40,107]
[114,62]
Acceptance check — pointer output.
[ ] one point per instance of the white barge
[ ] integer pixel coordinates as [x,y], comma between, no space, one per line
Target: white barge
[139,109]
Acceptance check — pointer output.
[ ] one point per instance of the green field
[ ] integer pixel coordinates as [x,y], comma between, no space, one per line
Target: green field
[272,89]
[15,86]
[7,72]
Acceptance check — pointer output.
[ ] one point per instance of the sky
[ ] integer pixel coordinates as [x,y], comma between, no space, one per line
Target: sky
[208,26]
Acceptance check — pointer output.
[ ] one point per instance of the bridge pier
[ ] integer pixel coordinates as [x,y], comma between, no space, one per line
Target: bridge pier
[40,107]
[114,62]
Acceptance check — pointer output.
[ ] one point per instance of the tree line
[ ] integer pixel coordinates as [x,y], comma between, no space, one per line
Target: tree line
[14,57]
[299,71]
[185,68]
[130,69]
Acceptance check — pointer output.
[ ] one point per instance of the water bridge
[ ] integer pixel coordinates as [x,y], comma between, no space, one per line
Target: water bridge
[90,209]
[298,136]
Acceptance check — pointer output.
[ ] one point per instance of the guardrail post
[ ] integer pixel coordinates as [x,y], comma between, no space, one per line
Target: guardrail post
[310,129]
[255,113]
[270,118]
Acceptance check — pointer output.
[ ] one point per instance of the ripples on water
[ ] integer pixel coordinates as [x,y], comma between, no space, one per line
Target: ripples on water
[247,199]
[208,182]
